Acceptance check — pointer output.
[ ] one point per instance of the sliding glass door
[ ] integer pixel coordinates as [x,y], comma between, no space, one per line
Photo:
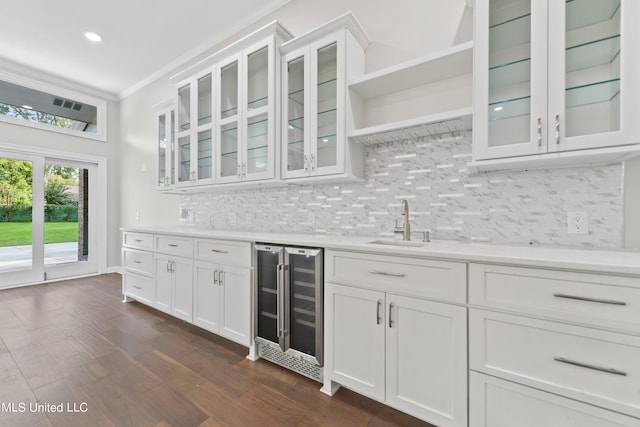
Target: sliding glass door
[46,230]
[69,232]
[21,219]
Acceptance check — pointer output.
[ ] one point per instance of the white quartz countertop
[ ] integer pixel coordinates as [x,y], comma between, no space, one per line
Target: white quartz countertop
[589,260]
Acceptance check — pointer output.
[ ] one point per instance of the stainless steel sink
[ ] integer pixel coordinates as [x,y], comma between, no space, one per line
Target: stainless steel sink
[398,243]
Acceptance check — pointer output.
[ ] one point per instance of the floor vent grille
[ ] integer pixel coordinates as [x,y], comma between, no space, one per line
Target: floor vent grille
[273,353]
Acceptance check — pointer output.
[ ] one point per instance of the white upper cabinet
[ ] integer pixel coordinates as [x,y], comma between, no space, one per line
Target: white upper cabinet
[194,149]
[227,113]
[316,113]
[555,76]
[246,128]
[165,140]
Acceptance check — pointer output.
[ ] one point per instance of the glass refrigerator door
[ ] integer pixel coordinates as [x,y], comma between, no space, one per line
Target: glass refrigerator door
[304,286]
[269,261]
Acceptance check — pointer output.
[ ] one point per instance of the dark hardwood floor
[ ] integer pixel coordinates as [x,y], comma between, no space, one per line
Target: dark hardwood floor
[112,364]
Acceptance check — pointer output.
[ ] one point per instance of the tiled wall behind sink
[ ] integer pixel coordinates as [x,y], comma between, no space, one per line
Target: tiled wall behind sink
[504,207]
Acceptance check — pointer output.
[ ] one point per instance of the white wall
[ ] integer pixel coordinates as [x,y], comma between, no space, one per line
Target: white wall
[399,30]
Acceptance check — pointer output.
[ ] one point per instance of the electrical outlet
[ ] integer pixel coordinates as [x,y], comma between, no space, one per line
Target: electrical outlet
[577,223]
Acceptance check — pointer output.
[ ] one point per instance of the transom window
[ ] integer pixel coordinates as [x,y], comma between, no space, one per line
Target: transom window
[36,104]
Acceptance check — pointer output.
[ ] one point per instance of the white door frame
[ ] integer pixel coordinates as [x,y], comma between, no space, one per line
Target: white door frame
[36,272]
[99,213]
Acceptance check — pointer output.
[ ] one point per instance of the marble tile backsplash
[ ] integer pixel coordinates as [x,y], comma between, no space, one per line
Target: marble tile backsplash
[500,207]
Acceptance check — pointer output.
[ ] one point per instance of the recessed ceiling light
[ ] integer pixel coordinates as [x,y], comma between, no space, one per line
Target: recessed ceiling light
[28,107]
[497,109]
[91,36]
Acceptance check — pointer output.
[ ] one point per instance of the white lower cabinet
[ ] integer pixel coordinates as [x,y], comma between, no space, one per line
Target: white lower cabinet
[139,287]
[174,286]
[498,403]
[355,351]
[407,352]
[552,348]
[222,300]
[206,282]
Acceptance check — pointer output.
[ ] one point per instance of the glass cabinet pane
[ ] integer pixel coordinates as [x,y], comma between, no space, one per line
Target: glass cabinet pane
[326,115]
[258,79]
[184,108]
[295,112]
[509,72]
[229,90]
[162,149]
[592,67]
[204,100]
[229,149]
[172,149]
[184,159]
[205,155]
[257,143]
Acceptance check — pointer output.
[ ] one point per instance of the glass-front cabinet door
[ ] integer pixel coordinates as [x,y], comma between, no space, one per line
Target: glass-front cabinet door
[560,75]
[296,108]
[325,144]
[165,120]
[313,110]
[194,157]
[594,70]
[511,57]
[259,117]
[229,120]
[247,108]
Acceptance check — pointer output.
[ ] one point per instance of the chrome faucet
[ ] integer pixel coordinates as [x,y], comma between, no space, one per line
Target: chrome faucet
[406,227]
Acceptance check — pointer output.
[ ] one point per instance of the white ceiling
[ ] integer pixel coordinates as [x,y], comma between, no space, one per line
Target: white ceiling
[140,37]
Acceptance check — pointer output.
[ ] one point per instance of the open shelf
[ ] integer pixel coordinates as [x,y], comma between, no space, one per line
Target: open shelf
[443,65]
[416,128]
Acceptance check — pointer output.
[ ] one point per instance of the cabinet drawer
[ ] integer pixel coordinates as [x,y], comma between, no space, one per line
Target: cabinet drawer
[595,299]
[138,240]
[441,280]
[138,261]
[139,287]
[223,252]
[497,403]
[595,366]
[172,245]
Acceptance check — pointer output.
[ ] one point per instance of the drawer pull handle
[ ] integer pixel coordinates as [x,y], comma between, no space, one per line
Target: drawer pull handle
[586,365]
[173,245]
[137,287]
[219,251]
[137,261]
[138,240]
[601,301]
[378,318]
[384,273]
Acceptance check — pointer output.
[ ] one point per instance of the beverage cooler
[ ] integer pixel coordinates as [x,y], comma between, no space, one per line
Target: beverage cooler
[289,307]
